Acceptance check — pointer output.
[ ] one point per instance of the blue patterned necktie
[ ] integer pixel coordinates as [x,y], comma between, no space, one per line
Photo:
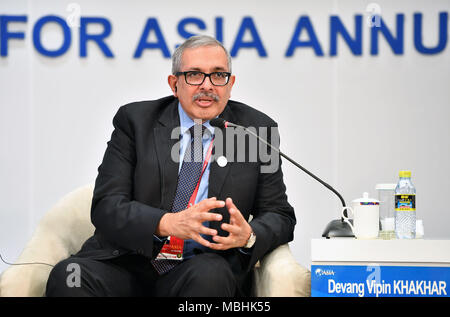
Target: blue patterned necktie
[189,175]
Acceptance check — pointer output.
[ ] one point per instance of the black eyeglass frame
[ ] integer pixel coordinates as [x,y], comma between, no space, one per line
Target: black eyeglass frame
[204,77]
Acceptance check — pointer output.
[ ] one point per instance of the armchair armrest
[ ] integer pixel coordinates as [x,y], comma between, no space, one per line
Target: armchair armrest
[60,233]
[279,275]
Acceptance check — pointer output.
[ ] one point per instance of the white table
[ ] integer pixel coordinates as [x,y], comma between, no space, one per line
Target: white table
[352,267]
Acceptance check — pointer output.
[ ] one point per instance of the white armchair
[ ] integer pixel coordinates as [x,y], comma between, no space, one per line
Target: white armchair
[65,227]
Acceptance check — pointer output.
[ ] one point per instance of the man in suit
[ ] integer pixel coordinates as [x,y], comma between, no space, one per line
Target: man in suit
[142,178]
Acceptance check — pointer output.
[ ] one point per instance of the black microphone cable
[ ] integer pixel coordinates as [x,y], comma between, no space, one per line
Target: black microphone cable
[222,123]
[24,263]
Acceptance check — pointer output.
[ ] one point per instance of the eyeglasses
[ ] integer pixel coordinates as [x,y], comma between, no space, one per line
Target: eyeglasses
[197,78]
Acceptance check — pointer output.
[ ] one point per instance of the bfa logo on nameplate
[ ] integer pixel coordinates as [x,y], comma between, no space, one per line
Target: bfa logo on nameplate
[374,280]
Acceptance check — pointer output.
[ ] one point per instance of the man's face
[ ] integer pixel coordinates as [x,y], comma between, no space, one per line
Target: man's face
[206,59]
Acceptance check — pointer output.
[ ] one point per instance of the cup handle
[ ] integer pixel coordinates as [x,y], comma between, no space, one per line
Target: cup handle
[346,219]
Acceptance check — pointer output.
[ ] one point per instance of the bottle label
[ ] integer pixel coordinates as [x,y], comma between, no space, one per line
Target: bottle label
[405,202]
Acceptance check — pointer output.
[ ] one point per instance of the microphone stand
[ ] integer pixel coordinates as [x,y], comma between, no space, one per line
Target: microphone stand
[335,228]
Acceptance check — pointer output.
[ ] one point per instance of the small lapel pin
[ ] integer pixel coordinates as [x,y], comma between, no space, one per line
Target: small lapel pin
[222,161]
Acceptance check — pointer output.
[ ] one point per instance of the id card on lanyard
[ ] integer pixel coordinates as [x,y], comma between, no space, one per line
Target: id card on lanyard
[173,247]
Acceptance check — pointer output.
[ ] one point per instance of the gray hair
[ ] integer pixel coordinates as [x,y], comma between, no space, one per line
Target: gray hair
[193,42]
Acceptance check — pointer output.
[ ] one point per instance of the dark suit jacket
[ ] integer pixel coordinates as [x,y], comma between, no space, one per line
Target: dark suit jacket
[137,180]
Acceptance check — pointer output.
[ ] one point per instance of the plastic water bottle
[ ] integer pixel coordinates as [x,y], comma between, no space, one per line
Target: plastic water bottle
[405,207]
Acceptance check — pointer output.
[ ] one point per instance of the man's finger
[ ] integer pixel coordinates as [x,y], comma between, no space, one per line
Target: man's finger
[235,215]
[198,238]
[207,231]
[233,229]
[210,216]
[218,246]
[208,204]
[223,240]
[223,244]
[201,204]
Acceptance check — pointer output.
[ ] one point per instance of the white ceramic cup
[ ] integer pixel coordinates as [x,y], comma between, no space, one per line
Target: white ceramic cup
[366,215]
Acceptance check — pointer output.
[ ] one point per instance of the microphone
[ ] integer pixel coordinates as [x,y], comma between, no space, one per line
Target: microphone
[222,123]
[336,228]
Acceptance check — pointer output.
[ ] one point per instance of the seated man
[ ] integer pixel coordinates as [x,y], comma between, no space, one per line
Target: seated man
[171,218]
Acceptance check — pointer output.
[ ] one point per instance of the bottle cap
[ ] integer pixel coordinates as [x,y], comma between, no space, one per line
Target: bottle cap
[404,174]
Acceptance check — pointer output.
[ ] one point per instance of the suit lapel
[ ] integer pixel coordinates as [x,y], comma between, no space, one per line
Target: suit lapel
[165,144]
[218,174]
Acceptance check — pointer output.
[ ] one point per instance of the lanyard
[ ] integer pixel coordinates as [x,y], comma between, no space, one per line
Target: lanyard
[205,163]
